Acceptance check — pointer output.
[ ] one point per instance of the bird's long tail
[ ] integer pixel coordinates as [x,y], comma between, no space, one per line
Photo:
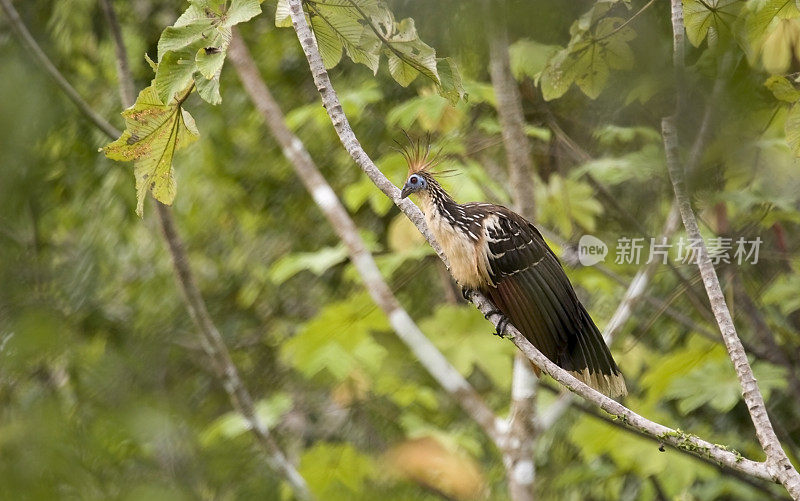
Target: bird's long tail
[588,358]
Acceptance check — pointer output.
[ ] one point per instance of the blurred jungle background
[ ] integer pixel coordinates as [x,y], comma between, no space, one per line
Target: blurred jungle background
[106,391]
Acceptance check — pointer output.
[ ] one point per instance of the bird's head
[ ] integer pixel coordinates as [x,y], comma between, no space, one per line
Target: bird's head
[415,182]
[420,163]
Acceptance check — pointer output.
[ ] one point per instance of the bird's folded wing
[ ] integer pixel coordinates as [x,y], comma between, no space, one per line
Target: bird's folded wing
[530,286]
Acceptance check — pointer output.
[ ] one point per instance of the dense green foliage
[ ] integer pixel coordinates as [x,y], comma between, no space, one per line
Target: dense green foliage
[105,392]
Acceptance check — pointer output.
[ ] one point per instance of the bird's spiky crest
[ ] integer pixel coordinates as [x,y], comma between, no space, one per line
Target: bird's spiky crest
[418,154]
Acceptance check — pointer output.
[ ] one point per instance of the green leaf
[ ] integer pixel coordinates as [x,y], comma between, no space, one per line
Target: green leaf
[462,334]
[208,89]
[175,38]
[450,87]
[782,89]
[195,47]
[241,11]
[315,262]
[784,294]
[174,74]
[154,133]
[338,340]
[792,129]
[715,384]
[233,424]
[700,16]
[592,72]
[363,29]
[409,56]
[598,45]
[528,58]
[347,24]
[283,15]
[330,47]
[558,75]
[336,471]
[567,202]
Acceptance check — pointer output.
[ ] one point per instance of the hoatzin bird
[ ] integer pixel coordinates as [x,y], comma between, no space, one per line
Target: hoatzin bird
[499,253]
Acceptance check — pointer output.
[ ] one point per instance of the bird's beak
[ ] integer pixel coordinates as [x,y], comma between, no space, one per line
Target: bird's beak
[406,191]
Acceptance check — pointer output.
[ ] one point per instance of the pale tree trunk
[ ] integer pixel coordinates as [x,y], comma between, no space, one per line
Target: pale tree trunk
[521,440]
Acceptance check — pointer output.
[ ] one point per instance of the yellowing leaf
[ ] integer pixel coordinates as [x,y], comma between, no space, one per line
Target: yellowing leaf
[779,46]
[782,89]
[154,133]
[763,17]
[427,462]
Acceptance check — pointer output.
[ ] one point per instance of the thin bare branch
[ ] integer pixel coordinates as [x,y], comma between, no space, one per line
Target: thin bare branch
[667,435]
[327,200]
[217,352]
[27,39]
[127,91]
[777,462]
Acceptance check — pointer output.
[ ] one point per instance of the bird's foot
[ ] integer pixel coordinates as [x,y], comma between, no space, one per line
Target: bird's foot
[501,327]
[467,293]
[501,324]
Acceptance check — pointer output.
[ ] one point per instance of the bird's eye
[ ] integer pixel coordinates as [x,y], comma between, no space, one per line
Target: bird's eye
[413,180]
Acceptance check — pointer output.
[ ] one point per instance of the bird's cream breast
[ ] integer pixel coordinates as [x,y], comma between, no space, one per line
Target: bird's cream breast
[461,251]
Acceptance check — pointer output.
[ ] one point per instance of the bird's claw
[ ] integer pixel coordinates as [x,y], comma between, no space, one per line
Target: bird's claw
[466,293]
[501,324]
[501,327]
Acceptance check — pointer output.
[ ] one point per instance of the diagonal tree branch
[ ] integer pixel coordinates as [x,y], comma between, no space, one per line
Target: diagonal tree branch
[226,371]
[669,436]
[777,462]
[27,39]
[594,413]
[210,337]
[326,199]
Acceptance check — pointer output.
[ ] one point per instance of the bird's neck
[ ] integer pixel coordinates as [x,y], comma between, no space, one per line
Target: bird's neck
[436,199]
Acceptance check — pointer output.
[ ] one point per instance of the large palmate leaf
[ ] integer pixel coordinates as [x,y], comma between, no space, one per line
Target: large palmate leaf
[154,132]
[598,45]
[194,48]
[709,17]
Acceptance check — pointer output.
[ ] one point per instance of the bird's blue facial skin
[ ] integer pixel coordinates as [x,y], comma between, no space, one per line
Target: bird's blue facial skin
[414,183]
